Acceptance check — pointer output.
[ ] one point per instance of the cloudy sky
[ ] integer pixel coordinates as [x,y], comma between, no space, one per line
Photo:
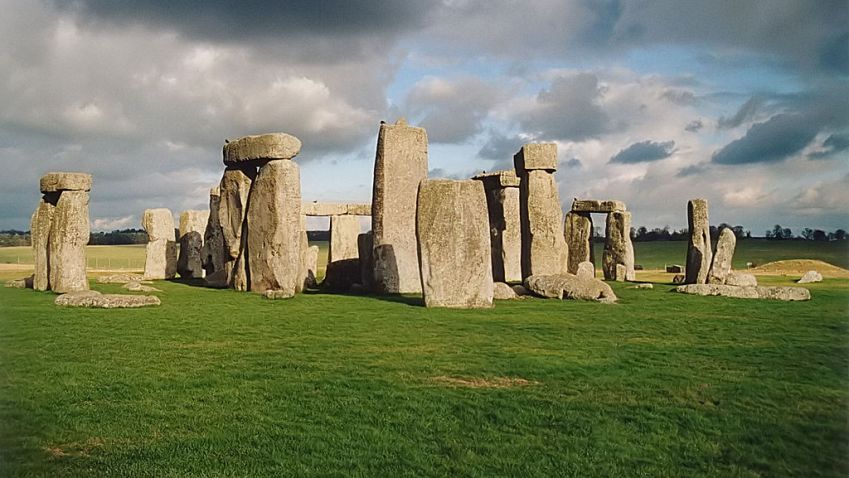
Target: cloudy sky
[745,103]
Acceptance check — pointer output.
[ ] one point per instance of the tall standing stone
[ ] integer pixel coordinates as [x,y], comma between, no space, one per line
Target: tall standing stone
[274,228]
[400,165]
[343,238]
[235,188]
[721,265]
[192,228]
[40,235]
[578,229]
[454,247]
[699,254]
[161,249]
[618,258]
[213,253]
[502,201]
[544,249]
[65,218]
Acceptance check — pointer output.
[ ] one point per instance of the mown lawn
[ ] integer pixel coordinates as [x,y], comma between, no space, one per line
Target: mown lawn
[220,383]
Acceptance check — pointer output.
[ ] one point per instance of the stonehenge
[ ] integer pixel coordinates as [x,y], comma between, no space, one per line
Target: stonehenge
[544,249]
[618,255]
[452,228]
[746,292]
[699,254]
[618,258]
[213,253]
[721,264]
[161,249]
[400,165]
[502,201]
[192,228]
[578,230]
[570,286]
[60,232]
[234,188]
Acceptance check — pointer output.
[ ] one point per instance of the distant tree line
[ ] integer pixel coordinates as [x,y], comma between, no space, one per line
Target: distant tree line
[808,234]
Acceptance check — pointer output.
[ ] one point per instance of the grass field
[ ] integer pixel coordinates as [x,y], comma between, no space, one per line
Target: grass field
[220,383]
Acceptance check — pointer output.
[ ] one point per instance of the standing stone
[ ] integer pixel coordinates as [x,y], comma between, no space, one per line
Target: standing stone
[502,201]
[579,239]
[365,244]
[161,250]
[343,238]
[235,188]
[40,234]
[304,245]
[69,234]
[453,239]
[544,249]
[400,165]
[311,264]
[192,227]
[699,254]
[586,270]
[274,228]
[721,265]
[213,253]
[618,258]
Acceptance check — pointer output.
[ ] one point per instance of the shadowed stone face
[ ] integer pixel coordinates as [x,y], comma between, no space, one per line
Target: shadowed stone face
[578,230]
[365,245]
[618,257]
[453,238]
[213,253]
[235,189]
[40,234]
[699,254]
[400,165]
[192,227]
[502,200]
[721,265]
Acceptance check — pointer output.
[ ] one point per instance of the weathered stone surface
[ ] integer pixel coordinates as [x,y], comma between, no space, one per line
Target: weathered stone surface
[569,286]
[400,165]
[159,224]
[40,238]
[139,287]
[25,283]
[365,246]
[758,292]
[617,262]
[642,286]
[235,188]
[303,248]
[593,205]
[121,278]
[217,280]
[274,228]
[261,147]
[578,230]
[192,227]
[343,238]
[809,277]
[213,254]
[94,299]
[311,263]
[740,279]
[544,249]
[721,264]
[452,228]
[53,182]
[536,156]
[502,291]
[505,227]
[586,270]
[335,209]
[520,290]
[160,260]
[675,269]
[69,234]
[279,294]
[193,221]
[699,253]
[341,275]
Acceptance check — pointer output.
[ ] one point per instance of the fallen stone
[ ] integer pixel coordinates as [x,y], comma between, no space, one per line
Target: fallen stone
[740,279]
[586,270]
[94,299]
[139,287]
[159,224]
[53,182]
[757,292]
[578,230]
[69,235]
[120,278]
[452,228]
[721,264]
[642,286]
[569,286]
[618,259]
[279,294]
[536,156]
[502,291]
[699,254]
[592,205]
[809,277]
[400,165]
[261,147]
[40,238]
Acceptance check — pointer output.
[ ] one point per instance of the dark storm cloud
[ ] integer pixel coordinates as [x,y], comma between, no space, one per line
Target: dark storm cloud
[644,151]
[694,126]
[773,140]
[570,109]
[501,148]
[745,113]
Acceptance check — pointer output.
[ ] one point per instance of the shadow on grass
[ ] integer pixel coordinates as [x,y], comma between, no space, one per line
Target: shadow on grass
[411,300]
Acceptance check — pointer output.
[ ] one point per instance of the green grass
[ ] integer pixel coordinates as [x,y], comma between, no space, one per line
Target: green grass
[220,383]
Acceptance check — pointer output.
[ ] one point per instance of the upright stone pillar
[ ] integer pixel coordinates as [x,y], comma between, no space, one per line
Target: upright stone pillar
[502,201]
[343,238]
[578,229]
[192,228]
[161,250]
[235,187]
[699,253]
[214,253]
[60,232]
[304,271]
[544,250]
[721,265]
[618,258]
[454,247]
[400,165]
[365,245]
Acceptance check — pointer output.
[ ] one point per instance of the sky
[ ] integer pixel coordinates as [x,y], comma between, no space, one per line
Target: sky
[744,103]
